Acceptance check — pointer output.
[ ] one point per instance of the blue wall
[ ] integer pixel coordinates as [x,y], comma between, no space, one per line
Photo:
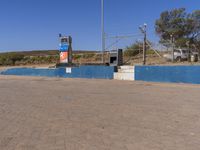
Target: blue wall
[177,74]
[97,72]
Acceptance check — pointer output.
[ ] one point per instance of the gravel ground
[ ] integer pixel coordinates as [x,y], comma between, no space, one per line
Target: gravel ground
[79,114]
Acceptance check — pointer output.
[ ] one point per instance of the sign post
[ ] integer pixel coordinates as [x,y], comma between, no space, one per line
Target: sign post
[65,49]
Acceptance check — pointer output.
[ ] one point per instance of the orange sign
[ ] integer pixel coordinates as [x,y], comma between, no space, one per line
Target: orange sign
[64,57]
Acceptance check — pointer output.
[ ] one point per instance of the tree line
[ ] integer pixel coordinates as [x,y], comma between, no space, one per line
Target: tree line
[177,25]
[183,26]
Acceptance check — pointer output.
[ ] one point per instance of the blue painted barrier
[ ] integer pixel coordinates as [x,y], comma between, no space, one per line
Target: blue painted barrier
[176,74]
[96,72]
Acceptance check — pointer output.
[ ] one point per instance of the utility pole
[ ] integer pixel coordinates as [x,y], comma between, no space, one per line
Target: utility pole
[102,30]
[144,31]
[70,50]
[189,52]
[145,46]
[172,43]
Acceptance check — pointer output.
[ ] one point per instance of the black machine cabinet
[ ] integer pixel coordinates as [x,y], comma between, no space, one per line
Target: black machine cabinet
[116,57]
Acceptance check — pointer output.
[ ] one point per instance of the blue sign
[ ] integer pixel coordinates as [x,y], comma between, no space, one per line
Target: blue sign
[64,47]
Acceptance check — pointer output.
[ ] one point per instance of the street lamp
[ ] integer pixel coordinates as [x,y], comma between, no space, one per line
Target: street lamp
[102,30]
[143,29]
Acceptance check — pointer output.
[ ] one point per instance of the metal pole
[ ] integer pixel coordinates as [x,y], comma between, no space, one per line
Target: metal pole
[144,31]
[144,44]
[70,50]
[145,47]
[172,42]
[102,30]
[189,52]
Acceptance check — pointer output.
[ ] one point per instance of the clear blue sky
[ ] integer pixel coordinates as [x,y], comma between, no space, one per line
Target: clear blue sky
[35,24]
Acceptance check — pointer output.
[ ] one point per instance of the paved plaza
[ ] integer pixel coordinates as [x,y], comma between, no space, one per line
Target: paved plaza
[80,114]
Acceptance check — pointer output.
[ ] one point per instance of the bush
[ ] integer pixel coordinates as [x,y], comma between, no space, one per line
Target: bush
[149,52]
[76,56]
[132,50]
[88,55]
[10,58]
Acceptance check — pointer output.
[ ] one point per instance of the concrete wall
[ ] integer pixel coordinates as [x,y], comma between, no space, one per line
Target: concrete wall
[97,72]
[176,74]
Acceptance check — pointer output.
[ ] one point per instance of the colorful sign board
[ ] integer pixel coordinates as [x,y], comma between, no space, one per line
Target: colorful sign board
[64,47]
[63,57]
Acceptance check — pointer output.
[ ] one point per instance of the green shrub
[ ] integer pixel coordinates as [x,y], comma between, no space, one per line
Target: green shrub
[10,58]
[132,50]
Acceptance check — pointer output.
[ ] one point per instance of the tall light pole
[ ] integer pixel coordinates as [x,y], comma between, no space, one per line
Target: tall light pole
[172,44]
[102,30]
[144,31]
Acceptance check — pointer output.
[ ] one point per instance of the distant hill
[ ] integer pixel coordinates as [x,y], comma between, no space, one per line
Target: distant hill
[45,57]
[46,52]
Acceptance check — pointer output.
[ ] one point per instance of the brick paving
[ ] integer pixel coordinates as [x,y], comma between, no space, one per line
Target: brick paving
[79,114]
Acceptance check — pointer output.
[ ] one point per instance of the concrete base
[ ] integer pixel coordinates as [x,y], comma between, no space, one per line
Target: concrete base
[123,76]
[125,73]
